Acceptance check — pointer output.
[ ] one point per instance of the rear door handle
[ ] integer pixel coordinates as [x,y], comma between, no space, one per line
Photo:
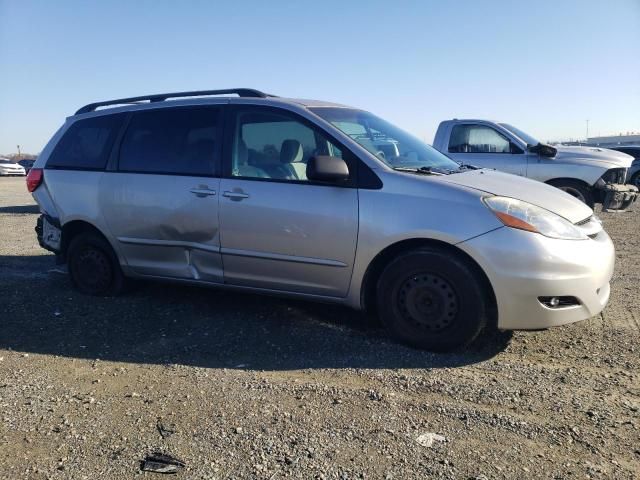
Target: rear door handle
[235,195]
[202,192]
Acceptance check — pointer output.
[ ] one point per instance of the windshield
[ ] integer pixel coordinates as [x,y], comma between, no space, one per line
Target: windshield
[393,146]
[519,133]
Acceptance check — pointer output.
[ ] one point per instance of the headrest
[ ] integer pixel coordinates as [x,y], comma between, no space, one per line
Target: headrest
[291,151]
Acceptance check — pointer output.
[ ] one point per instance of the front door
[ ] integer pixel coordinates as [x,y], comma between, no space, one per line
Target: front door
[485,147]
[281,231]
[161,204]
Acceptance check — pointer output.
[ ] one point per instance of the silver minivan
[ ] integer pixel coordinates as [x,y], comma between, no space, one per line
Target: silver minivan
[295,197]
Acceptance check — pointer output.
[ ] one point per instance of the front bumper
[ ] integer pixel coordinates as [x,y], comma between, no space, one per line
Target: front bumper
[524,266]
[618,197]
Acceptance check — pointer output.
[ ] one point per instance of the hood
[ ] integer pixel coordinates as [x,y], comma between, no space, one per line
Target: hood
[531,191]
[590,155]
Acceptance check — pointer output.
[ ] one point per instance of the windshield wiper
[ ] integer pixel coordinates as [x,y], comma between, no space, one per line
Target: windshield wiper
[466,166]
[422,170]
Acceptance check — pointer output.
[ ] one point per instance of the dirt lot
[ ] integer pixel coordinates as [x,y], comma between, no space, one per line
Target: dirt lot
[242,386]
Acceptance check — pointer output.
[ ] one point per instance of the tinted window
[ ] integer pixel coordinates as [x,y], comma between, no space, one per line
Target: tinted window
[87,143]
[477,139]
[275,145]
[182,141]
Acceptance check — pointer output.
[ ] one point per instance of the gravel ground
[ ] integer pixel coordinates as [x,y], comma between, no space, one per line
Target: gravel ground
[242,386]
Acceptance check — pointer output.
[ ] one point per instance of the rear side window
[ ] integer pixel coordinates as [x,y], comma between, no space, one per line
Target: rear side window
[86,145]
[181,141]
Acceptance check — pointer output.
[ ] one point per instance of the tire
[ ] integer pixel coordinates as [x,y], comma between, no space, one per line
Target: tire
[432,300]
[576,189]
[93,266]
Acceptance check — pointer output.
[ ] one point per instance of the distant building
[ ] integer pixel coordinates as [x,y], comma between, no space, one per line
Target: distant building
[612,141]
[609,141]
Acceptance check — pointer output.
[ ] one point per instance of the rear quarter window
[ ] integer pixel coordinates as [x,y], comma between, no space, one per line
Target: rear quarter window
[86,145]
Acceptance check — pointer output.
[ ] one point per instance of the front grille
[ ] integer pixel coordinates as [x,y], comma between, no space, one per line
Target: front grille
[591,226]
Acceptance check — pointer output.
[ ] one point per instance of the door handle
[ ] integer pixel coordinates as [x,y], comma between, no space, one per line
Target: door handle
[202,192]
[235,195]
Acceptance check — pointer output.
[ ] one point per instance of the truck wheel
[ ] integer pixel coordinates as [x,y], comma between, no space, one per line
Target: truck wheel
[429,299]
[576,189]
[93,266]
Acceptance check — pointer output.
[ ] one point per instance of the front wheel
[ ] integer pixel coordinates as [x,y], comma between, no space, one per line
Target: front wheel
[430,299]
[576,189]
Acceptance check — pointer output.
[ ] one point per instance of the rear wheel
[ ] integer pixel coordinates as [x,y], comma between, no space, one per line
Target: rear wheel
[576,189]
[93,266]
[429,299]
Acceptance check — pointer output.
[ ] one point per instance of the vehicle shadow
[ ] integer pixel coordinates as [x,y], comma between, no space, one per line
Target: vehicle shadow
[175,324]
[20,209]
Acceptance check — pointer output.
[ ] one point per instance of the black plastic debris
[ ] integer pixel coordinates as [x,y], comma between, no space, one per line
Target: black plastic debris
[161,463]
[164,430]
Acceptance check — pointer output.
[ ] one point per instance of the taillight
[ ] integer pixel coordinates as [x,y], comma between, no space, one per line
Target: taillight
[34,179]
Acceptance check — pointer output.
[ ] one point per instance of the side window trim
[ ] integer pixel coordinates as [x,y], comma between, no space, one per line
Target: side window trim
[112,163]
[229,133]
[114,160]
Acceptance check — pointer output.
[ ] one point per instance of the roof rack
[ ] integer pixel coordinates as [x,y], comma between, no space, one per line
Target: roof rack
[161,97]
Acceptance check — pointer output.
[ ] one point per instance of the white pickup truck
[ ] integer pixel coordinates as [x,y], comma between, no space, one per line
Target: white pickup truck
[593,175]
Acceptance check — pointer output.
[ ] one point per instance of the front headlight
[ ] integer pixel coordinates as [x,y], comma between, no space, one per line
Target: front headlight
[525,216]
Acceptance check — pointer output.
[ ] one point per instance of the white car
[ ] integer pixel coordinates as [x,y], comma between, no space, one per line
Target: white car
[7,167]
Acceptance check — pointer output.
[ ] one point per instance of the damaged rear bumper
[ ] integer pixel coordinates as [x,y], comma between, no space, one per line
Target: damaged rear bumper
[618,197]
[49,233]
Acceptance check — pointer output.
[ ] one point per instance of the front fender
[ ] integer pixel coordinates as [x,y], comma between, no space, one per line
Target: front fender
[414,208]
[545,170]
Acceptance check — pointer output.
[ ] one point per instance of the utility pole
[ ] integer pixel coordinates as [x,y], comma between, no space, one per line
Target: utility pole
[19,152]
[587,129]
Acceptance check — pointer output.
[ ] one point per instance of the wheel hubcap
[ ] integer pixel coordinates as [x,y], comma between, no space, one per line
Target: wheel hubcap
[93,269]
[428,301]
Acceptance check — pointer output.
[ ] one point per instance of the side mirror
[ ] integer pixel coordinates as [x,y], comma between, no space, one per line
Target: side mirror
[544,150]
[323,168]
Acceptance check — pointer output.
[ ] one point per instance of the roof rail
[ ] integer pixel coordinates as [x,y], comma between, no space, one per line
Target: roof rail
[161,97]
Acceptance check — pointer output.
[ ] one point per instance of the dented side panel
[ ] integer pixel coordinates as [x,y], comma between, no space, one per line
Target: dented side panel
[164,224]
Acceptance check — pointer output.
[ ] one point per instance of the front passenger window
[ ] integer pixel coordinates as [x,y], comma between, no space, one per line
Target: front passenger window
[276,146]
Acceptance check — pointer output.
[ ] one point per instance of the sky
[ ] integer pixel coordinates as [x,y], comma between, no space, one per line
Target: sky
[545,66]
